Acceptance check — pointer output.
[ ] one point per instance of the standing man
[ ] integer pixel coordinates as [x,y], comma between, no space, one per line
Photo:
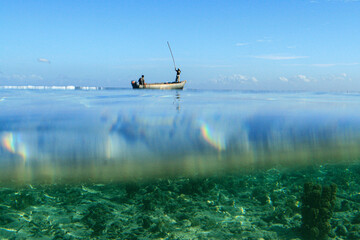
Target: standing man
[177,75]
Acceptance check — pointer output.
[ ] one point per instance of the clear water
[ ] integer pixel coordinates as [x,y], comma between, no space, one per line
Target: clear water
[97,163]
[72,134]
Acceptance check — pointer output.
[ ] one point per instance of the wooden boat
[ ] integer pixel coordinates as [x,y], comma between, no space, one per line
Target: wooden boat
[165,85]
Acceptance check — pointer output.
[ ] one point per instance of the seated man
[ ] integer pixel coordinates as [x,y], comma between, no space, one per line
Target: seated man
[141,80]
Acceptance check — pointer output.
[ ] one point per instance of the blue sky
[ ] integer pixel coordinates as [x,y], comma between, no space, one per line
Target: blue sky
[250,45]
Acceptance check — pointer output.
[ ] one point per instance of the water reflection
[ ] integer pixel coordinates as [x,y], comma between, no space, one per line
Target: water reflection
[177,100]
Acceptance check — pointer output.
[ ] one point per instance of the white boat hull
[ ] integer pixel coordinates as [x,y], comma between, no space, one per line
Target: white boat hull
[167,85]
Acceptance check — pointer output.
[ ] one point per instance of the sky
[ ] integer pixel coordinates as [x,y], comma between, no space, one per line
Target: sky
[310,45]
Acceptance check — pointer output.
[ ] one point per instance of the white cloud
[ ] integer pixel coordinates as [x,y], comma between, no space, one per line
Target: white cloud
[44,60]
[16,76]
[236,78]
[21,77]
[35,77]
[265,39]
[334,64]
[342,77]
[323,65]
[303,78]
[241,44]
[279,57]
[283,79]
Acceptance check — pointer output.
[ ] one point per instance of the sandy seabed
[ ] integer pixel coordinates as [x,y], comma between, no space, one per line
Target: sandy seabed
[259,205]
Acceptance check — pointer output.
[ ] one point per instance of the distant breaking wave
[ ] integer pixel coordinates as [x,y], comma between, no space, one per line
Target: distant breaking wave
[70,87]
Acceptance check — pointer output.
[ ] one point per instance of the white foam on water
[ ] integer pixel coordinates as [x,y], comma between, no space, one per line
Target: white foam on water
[69,87]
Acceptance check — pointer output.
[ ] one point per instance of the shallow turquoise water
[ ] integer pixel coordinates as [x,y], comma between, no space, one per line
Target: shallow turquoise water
[144,164]
[72,134]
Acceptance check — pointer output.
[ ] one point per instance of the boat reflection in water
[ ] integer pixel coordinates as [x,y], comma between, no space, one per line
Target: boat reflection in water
[100,138]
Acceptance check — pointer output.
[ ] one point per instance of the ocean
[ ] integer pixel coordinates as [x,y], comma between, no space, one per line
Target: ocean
[116,163]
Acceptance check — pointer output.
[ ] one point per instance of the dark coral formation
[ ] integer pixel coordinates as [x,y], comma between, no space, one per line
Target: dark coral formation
[317,209]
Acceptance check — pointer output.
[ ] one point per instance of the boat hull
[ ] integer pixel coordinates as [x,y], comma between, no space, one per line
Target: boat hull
[166,85]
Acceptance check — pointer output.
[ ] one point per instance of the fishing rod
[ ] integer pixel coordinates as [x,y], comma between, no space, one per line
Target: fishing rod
[172,55]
